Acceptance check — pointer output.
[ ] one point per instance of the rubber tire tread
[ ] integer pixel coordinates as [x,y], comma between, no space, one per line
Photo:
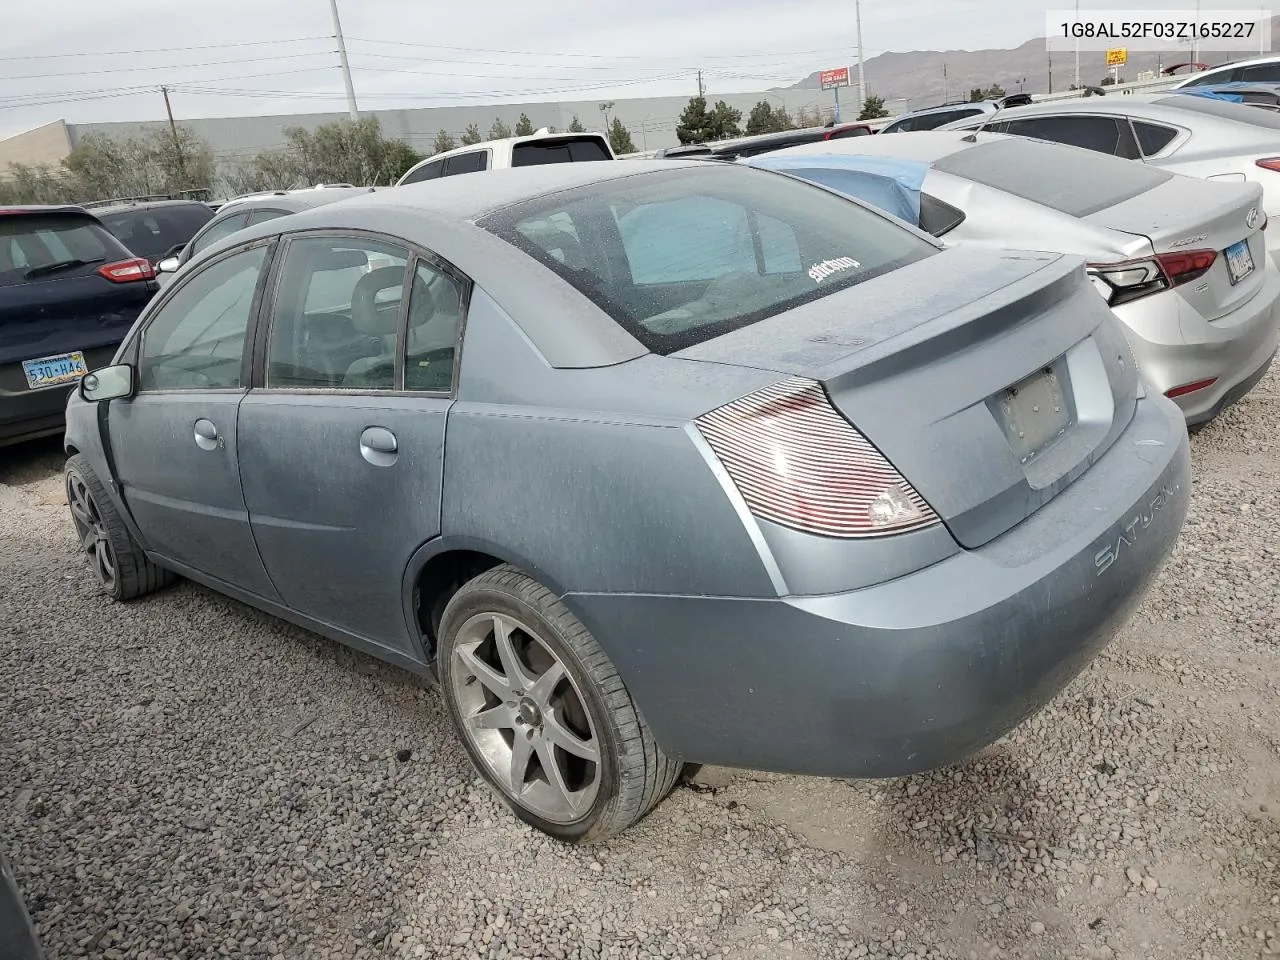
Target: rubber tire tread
[136,576]
[645,774]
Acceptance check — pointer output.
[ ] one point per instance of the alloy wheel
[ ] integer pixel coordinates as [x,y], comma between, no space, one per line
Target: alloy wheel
[92,531]
[525,716]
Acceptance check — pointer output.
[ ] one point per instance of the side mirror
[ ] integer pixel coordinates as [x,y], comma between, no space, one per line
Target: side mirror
[168,265]
[108,383]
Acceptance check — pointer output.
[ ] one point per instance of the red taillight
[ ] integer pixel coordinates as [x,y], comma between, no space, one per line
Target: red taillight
[1186,388]
[1185,267]
[1269,163]
[127,271]
[799,463]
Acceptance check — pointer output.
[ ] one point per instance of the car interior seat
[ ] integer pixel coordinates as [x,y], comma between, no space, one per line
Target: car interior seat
[381,320]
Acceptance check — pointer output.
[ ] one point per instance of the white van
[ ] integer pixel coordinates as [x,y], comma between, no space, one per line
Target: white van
[540,147]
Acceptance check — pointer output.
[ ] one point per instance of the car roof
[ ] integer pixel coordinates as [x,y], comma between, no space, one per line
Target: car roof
[31,208]
[924,146]
[543,134]
[1137,104]
[143,205]
[294,200]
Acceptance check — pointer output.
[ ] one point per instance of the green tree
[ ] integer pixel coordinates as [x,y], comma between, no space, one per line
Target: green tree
[471,135]
[444,141]
[153,162]
[724,121]
[524,126]
[993,92]
[694,125]
[765,119]
[499,130]
[575,126]
[873,108]
[620,138]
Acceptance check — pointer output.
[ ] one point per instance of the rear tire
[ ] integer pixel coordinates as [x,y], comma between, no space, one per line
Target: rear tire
[524,680]
[118,563]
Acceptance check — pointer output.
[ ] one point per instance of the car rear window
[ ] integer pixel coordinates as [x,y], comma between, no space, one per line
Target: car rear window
[1224,109]
[1071,180]
[683,256]
[154,233]
[31,241]
[536,152]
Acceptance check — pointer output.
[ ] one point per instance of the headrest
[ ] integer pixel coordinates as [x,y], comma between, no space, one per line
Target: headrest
[371,318]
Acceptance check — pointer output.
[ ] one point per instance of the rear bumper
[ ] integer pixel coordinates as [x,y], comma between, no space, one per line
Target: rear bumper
[1175,346]
[921,671]
[26,414]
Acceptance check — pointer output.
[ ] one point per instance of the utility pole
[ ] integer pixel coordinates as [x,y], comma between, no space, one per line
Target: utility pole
[1195,38]
[1051,72]
[177,143]
[946,92]
[342,58]
[1077,47]
[862,77]
[700,91]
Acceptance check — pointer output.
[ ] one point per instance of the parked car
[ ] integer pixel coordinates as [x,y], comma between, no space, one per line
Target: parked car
[1196,136]
[246,211]
[645,462]
[1181,261]
[155,229]
[69,291]
[1265,95]
[1256,70]
[18,938]
[934,117]
[766,142]
[535,149]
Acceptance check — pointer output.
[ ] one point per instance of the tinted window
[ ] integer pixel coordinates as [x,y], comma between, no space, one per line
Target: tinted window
[557,151]
[1074,182]
[217,230]
[1210,77]
[337,315]
[1261,73]
[429,171]
[154,233]
[472,162]
[851,132]
[262,216]
[680,257]
[1153,137]
[938,217]
[28,242]
[435,322]
[1100,134]
[196,340]
[1223,109]
[931,121]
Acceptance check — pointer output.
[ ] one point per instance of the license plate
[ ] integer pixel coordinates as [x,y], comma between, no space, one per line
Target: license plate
[54,371]
[1034,412]
[1239,261]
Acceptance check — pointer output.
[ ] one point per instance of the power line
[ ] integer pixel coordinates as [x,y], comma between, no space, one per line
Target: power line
[176,66]
[115,53]
[602,56]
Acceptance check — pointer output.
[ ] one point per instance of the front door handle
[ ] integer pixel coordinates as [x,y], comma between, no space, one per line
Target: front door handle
[378,445]
[207,436]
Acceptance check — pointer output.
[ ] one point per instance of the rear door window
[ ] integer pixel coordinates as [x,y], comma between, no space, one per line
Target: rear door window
[429,171]
[216,231]
[683,256]
[1075,182]
[535,152]
[1100,134]
[472,162]
[33,242]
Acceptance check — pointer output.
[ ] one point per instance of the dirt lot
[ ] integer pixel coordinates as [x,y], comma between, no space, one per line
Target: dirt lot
[186,778]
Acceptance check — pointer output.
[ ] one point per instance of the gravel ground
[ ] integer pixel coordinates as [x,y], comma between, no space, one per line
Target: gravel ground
[187,778]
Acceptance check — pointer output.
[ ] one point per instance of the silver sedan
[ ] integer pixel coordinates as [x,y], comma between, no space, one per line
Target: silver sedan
[1180,261]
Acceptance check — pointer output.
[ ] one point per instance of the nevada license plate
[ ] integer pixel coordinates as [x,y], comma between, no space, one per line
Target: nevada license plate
[1034,412]
[54,371]
[1239,261]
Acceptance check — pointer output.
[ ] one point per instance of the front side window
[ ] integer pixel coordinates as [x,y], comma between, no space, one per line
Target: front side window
[472,162]
[1075,182]
[195,341]
[680,257]
[336,316]
[218,230]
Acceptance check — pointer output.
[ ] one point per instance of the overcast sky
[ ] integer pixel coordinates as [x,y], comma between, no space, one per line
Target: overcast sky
[96,61]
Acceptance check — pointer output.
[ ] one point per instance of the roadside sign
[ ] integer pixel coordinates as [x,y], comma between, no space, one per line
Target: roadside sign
[831,79]
[1118,57]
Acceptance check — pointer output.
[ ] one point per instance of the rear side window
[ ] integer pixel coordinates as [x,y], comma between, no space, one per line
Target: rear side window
[1224,110]
[1261,73]
[38,241]
[218,230]
[1074,182]
[1153,137]
[680,257]
[557,151]
[472,162]
[1109,135]
[428,171]
[262,216]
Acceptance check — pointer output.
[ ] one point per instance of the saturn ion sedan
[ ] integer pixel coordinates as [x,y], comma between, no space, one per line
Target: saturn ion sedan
[647,464]
[1181,261]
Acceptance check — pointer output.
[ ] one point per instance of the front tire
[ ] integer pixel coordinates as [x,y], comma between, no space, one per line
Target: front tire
[542,712]
[118,563]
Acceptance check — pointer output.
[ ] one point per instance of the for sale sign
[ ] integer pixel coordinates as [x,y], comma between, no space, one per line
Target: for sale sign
[839,77]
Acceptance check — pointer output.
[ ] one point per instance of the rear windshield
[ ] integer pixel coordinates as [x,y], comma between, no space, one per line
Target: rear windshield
[1224,109]
[154,233]
[1071,180]
[30,242]
[683,256]
[558,151]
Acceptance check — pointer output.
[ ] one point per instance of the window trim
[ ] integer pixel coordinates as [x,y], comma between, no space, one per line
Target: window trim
[135,343]
[1121,120]
[417,254]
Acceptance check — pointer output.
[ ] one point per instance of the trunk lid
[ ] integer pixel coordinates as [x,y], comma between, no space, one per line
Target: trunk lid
[46,317]
[1183,215]
[922,360]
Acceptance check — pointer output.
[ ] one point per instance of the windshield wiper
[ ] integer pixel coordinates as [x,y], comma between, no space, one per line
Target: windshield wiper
[61,265]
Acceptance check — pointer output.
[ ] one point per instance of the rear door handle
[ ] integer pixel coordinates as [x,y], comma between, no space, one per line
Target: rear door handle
[378,445]
[207,436]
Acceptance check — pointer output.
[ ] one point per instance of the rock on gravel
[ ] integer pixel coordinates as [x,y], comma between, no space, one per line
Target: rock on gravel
[185,778]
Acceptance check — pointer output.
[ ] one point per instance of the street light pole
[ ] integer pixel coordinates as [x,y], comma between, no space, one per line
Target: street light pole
[862,77]
[342,58]
[1077,47]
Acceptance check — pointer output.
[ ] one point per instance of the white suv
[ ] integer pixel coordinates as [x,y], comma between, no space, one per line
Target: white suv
[540,147]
